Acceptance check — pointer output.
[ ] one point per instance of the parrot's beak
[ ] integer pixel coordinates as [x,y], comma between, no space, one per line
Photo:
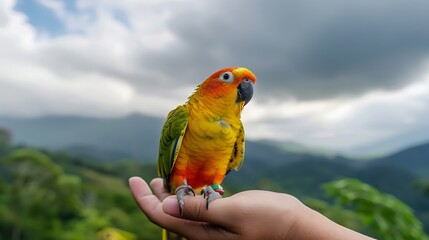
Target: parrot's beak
[245,91]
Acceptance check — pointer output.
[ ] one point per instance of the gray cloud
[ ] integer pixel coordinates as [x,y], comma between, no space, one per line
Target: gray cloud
[310,49]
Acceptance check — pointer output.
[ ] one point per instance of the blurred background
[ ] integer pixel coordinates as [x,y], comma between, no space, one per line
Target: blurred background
[339,116]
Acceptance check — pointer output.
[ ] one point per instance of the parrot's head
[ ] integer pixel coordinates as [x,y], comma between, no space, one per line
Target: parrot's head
[230,84]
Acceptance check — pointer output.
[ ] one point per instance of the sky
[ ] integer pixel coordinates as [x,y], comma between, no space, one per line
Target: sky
[347,76]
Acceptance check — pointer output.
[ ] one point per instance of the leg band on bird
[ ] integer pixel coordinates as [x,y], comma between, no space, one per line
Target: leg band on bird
[218,188]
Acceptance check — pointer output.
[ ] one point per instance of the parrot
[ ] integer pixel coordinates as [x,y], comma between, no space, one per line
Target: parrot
[203,140]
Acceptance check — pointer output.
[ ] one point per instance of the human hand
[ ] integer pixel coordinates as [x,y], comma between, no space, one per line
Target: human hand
[245,215]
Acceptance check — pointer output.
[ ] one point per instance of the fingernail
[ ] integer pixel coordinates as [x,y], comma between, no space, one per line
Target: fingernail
[170,206]
[131,179]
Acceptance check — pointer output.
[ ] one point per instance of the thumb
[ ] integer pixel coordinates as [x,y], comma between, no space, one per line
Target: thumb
[195,209]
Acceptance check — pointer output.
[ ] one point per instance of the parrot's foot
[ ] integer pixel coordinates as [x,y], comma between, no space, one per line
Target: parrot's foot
[181,192]
[212,193]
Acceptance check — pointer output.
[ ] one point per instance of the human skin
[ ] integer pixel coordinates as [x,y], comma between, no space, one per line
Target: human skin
[251,214]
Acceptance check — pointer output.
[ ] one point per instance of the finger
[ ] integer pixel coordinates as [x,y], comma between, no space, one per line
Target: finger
[195,229]
[159,188]
[195,209]
[152,208]
[139,187]
[148,202]
[144,197]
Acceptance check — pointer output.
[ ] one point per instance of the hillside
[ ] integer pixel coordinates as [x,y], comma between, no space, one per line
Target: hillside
[103,182]
[414,159]
[135,136]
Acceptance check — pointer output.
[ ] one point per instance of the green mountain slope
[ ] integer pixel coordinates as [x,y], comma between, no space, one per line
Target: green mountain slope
[414,159]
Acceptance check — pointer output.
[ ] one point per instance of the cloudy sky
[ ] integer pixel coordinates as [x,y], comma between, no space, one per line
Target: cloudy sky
[350,76]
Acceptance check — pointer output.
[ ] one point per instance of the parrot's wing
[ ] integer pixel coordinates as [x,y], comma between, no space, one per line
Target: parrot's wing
[171,140]
[237,156]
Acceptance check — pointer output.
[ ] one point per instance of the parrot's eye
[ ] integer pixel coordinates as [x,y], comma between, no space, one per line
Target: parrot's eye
[227,77]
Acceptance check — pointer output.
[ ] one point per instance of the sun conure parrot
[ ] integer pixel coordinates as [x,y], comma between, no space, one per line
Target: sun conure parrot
[203,140]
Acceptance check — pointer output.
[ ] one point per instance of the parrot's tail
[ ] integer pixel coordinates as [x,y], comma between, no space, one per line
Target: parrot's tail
[166,235]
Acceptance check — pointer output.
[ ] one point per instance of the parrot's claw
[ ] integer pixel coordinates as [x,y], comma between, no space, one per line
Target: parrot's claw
[210,195]
[181,192]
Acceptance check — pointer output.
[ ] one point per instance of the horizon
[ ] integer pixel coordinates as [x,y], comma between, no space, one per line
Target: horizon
[286,145]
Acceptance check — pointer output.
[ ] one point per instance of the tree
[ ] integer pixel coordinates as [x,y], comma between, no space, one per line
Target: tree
[386,216]
[39,201]
[41,195]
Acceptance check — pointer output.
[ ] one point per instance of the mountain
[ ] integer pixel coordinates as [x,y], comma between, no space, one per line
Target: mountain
[414,159]
[135,136]
[294,147]
[389,145]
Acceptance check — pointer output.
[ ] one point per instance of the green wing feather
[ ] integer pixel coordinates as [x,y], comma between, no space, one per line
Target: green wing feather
[171,140]
[237,156]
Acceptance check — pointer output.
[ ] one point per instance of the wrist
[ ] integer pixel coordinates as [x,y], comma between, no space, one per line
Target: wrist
[292,217]
[310,224]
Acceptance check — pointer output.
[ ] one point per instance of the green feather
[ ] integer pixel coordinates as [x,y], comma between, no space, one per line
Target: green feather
[171,140]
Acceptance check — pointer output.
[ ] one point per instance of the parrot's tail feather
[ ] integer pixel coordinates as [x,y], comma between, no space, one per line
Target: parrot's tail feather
[166,235]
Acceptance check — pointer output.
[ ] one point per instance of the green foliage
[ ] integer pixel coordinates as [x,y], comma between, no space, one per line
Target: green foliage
[387,216]
[423,185]
[39,190]
[38,200]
